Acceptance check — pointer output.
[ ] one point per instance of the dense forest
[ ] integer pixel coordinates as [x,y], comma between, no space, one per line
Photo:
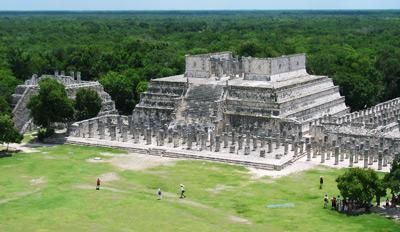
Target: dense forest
[360,50]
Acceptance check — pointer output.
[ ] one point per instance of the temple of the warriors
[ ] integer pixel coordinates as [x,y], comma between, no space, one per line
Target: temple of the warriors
[261,112]
[257,94]
[72,83]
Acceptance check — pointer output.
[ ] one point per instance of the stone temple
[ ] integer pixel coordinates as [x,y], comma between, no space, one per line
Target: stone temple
[72,83]
[261,112]
[251,93]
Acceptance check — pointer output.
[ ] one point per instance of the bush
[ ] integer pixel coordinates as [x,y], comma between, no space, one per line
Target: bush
[87,104]
[44,133]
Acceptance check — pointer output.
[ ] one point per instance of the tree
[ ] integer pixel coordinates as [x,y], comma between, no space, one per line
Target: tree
[87,104]
[4,107]
[121,89]
[7,83]
[360,185]
[142,87]
[392,179]
[249,49]
[51,104]
[8,133]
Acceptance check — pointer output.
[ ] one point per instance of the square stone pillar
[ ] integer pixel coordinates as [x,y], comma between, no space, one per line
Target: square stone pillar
[124,133]
[278,142]
[247,150]
[286,147]
[322,151]
[240,142]
[136,135]
[371,156]
[175,136]
[91,129]
[255,143]
[102,133]
[351,157]
[217,143]
[308,151]
[189,141]
[160,137]
[225,135]
[148,136]
[262,153]
[269,145]
[380,160]
[356,154]
[232,149]
[113,132]
[366,158]
[203,142]
[336,155]
[248,139]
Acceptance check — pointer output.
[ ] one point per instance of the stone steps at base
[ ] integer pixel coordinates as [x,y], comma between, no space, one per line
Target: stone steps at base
[172,154]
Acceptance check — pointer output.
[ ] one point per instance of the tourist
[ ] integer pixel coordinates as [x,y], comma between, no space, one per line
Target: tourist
[326,200]
[338,202]
[321,182]
[333,202]
[182,190]
[98,184]
[159,194]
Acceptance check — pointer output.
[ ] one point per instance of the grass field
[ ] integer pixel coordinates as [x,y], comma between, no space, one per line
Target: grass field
[53,190]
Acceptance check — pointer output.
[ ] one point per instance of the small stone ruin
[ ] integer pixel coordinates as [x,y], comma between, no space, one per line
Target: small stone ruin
[72,83]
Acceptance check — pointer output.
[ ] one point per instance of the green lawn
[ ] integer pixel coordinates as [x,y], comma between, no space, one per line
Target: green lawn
[216,193]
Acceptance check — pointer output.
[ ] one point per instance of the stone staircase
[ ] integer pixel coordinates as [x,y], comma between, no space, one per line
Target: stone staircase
[200,103]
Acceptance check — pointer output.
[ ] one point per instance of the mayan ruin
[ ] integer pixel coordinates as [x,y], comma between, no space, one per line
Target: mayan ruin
[260,112]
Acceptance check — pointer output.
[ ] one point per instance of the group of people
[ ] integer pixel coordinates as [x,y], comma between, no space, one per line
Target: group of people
[342,205]
[181,191]
[159,192]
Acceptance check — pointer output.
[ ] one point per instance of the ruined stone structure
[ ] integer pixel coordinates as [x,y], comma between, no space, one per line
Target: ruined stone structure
[72,83]
[265,113]
[252,93]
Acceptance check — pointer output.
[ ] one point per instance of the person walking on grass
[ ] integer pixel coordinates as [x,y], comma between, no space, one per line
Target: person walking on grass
[326,200]
[182,190]
[321,182]
[98,184]
[159,194]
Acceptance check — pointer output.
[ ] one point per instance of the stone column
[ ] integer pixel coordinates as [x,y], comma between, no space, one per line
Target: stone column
[124,133]
[361,155]
[371,156]
[170,135]
[232,149]
[278,142]
[225,136]
[101,130]
[255,143]
[286,147]
[175,138]
[91,129]
[233,137]
[189,141]
[336,155]
[356,154]
[113,132]
[203,141]
[322,153]
[366,158]
[308,151]
[248,138]
[240,142]
[351,156]
[160,138]
[212,140]
[342,150]
[136,135]
[148,136]
[269,145]
[262,139]
[247,150]
[314,148]
[295,149]
[262,153]
[217,143]
[380,159]
[301,147]
[385,157]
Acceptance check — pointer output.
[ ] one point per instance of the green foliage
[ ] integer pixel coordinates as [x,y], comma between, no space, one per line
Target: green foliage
[8,133]
[142,87]
[51,104]
[7,83]
[121,87]
[87,104]
[392,179]
[4,106]
[361,185]
[44,133]
[359,49]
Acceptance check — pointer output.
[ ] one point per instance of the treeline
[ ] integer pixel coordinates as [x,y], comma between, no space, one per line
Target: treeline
[359,50]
